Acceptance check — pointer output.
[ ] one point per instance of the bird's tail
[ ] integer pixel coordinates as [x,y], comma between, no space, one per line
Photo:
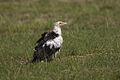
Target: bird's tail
[34,60]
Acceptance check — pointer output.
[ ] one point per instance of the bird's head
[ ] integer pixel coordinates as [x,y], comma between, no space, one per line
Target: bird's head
[60,23]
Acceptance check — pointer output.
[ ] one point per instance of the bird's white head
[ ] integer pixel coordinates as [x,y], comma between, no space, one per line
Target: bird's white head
[57,26]
[60,23]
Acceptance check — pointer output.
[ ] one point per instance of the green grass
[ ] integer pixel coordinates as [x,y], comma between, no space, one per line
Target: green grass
[91,48]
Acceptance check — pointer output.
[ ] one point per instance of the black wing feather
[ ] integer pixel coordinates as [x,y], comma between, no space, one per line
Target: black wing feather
[47,36]
[43,52]
[43,36]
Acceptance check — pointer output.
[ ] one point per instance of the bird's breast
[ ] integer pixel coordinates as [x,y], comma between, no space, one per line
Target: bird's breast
[58,39]
[57,42]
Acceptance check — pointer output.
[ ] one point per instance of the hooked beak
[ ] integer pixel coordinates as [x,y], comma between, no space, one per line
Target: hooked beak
[65,23]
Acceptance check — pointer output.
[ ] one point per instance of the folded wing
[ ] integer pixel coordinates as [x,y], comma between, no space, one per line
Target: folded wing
[42,52]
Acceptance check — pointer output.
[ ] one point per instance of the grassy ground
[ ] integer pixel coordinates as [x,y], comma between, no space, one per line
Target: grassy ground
[91,48]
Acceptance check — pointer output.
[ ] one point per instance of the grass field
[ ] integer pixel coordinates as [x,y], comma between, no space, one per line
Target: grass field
[91,48]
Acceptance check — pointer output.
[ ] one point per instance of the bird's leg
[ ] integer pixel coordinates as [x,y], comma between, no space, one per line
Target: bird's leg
[55,55]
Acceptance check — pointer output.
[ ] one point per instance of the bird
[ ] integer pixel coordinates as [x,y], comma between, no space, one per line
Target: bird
[49,44]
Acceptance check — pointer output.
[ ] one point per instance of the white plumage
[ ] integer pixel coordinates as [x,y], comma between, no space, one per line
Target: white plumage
[57,42]
[50,43]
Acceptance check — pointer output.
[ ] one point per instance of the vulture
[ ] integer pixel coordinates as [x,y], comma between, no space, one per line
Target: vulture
[49,44]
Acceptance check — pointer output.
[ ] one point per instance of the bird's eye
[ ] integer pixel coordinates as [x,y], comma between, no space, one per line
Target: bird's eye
[60,23]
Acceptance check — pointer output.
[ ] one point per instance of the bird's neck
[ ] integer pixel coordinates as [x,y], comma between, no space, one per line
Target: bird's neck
[57,30]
